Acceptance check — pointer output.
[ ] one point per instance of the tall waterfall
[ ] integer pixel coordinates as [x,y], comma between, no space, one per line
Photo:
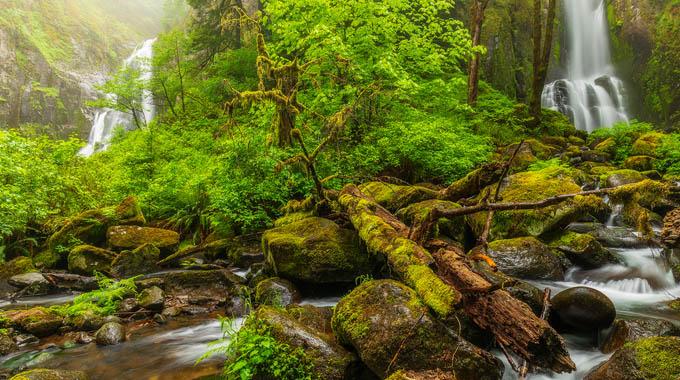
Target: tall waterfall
[590,95]
[106,119]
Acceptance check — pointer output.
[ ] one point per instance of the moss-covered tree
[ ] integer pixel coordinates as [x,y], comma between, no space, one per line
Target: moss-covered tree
[543,40]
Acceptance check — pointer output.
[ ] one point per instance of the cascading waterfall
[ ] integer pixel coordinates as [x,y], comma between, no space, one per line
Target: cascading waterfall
[106,119]
[591,95]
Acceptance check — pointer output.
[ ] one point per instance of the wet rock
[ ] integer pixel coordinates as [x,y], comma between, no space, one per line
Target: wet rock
[582,249]
[626,331]
[373,319]
[277,292]
[132,237]
[128,305]
[149,282]
[109,334]
[595,156]
[139,261]
[624,177]
[617,237]
[670,235]
[452,228]
[86,259]
[38,321]
[171,311]
[650,358]
[523,291]
[525,258]
[19,265]
[85,338]
[24,339]
[85,322]
[236,307]
[196,310]
[51,374]
[7,345]
[394,197]
[317,318]
[160,319]
[152,298]
[315,250]
[27,279]
[201,286]
[583,309]
[328,359]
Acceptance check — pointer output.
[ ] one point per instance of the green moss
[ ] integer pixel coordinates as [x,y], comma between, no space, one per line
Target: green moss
[607,145]
[658,358]
[419,212]
[85,260]
[648,144]
[394,197]
[292,218]
[16,266]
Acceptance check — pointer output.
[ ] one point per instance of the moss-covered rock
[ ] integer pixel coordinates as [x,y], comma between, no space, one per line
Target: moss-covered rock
[86,259]
[317,318]
[623,177]
[7,345]
[639,163]
[19,265]
[648,144]
[276,292]
[595,156]
[525,258]
[378,316]
[583,309]
[200,286]
[394,197]
[532,187]
[88,321]
[626,331]
[50,374]
[655,358]
[600,170]
[419,212]
[131,237]
[608,145]
[152,298]
[581,249]
[38,321]
[139,261]
[328,359]
[315,250]
[110,333]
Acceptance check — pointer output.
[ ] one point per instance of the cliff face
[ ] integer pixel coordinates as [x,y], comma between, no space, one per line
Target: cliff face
[53,53]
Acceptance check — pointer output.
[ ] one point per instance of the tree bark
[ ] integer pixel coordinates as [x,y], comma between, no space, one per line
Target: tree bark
[541,54]
[477,19]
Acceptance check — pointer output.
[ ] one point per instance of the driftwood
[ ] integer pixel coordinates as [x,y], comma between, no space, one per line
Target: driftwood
[510,320]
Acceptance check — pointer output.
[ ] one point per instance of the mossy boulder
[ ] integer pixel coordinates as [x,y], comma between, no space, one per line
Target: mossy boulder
[131,237]
[640,163]
[533,187]
[595,156]
[317,318]
[623,177]
[7,345]
[51,374]
[38,321]
[110,333]
[328,359]
[582,250]
[86,259]
[608,145]
[277,292]
[655,358]
[525,258]
[394,197]
[377,317]
[152,298]
[201,286]
[626,331]
[582,309]
[88,321]
[452,228]
[141,260]
[315,250]
[18,265]
[648,144]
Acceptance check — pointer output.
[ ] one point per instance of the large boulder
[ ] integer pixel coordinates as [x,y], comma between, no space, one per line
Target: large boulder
[109,334]
[419,212]
[394,197]
[623,177]
[626,331]
[131,237]
[317,318]
[533,187]
[86,259]
[525,258]
[582,249]
[649,143]
[241,251]
[141,260]
[51,374]
[645,359]
[616,237]
[315,250]
[329,360]
[277,292]
[582,309]
[201,286]
[376,318]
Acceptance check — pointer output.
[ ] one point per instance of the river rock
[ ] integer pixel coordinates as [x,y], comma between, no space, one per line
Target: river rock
[86,259]
[172,311]
[625,331]
[582,308]
[645,359]
[582,249]
[317,318]
[277,292]
[373,319]
[132,237]
[51,374]
[201,286]
[27,279]
[152,298]
[616,237]
[328,359]
[141,260]
[38,321]
[315,250]
[7,345]
[109,334]
[670,235]
[128,305]
[394,197]
[595,156]
[624,177]
[85,322]
[525,258]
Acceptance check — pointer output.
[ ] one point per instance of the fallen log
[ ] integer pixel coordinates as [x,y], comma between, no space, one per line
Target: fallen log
[512,321]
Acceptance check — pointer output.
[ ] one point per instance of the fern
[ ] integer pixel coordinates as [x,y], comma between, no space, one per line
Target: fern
[103,301]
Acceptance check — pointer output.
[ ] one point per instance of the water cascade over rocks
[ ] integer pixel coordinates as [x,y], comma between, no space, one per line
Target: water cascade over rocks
[590,94]
[106,119]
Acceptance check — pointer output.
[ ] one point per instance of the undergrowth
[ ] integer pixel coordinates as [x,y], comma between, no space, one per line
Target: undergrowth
[103,301]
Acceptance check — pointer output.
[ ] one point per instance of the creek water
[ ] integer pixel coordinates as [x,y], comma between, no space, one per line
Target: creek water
[106,120]
[588,92]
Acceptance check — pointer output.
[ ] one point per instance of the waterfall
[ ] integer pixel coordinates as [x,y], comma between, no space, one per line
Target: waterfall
[590,95]
[106,119]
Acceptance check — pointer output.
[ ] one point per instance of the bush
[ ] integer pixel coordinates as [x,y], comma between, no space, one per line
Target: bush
[624,135]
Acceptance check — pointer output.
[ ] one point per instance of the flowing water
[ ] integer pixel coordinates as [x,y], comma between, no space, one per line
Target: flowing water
[590,94]
[107,120]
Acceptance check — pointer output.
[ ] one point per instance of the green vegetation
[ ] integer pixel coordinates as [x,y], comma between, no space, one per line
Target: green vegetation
[103,301]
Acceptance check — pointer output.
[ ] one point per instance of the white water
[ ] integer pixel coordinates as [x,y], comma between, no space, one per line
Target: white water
[106,120]
[590,94]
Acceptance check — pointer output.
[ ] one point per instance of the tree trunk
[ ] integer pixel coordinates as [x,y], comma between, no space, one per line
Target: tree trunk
[541,55]
[477,19]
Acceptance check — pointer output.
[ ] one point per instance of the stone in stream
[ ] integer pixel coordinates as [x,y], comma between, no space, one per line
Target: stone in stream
[27,279]
[625,331]
[109,334]
[172,311]
[655,358]
[624,177]
[277,292]
[526,258]
[618,237]
[132,237]
[128,305]
[7,345]
[86,259]
[201,286]
[38,321]
[583,309]
[582,249]
[85,322]
[141,260]
[376,317]
[317,318]
[315,251]
[152,298]
[51,374]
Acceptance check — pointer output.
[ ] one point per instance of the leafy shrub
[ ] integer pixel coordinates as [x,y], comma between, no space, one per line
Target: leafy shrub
[624,135]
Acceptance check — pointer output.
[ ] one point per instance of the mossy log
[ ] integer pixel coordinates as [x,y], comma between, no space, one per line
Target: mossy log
[510,320]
